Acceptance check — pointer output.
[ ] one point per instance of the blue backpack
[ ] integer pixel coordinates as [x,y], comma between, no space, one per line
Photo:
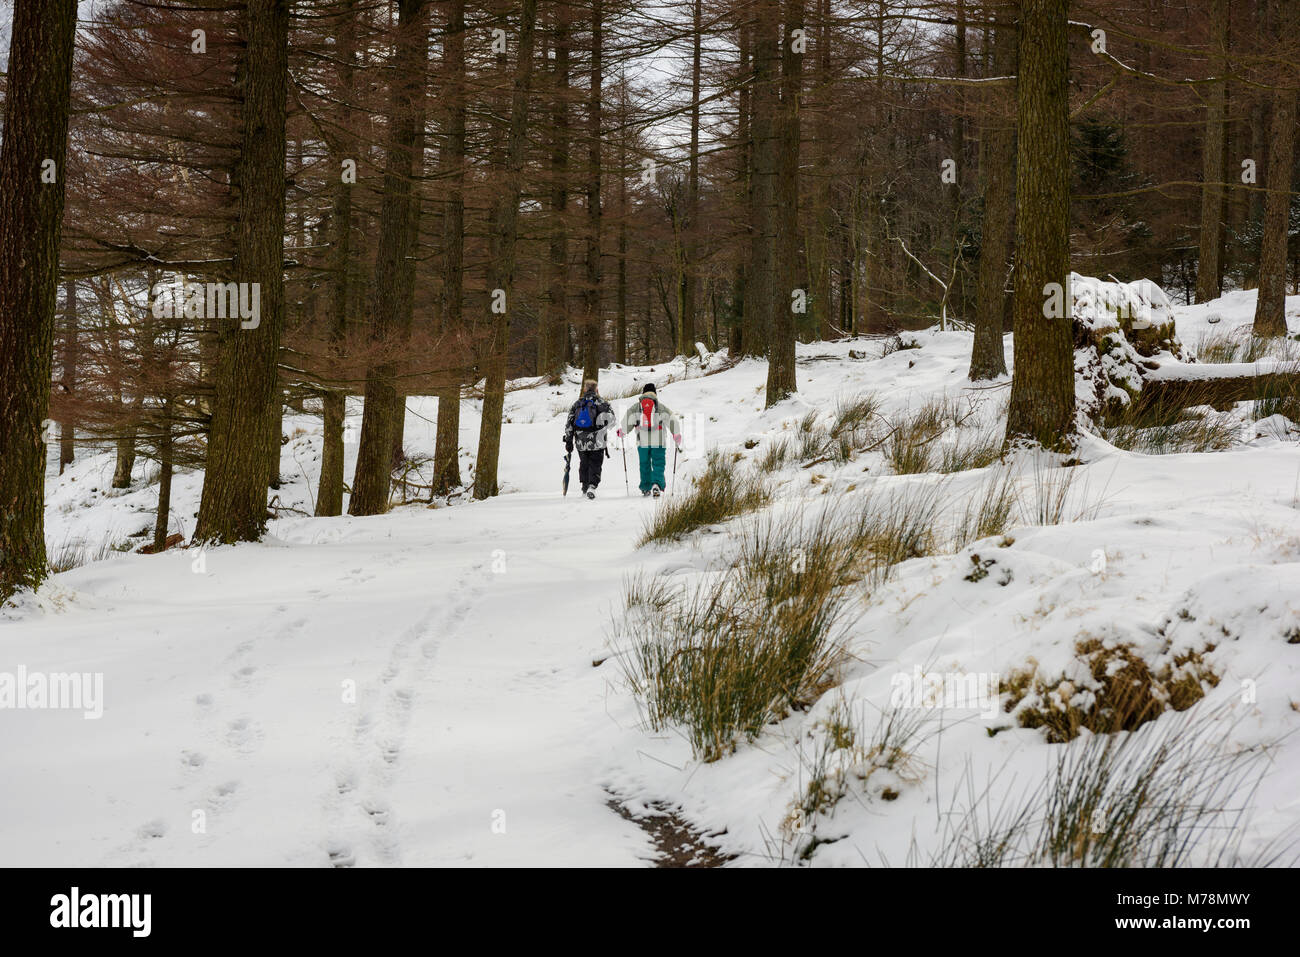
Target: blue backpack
[585,418]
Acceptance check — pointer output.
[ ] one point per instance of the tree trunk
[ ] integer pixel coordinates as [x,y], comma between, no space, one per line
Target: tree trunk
[163,517]
[71,355]
[763,280]
[329,495]
[781,346]
[373,475]
[233,505]
[620,328]
[988,357]
[1209,262]
[739,345]
[818,242]
[1042,383]
[31,218]
[501,259]
[1270,307]
[551,359]
[446,455]
[591,320]
[686,312]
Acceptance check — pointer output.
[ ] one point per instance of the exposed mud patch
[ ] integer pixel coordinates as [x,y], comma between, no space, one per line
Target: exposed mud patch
[677,843]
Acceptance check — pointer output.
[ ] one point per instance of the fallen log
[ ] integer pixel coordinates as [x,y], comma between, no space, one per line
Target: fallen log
[1174,386]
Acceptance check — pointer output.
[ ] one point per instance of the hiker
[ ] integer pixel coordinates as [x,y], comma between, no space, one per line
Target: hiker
[648,416]
[589,420]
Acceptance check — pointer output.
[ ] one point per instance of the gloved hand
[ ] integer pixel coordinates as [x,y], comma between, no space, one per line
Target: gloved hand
[678,440]
[568,443]
[619,433]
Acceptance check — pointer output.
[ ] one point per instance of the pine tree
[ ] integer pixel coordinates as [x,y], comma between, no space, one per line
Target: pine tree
[31,217]
[1042,384]
[246,381]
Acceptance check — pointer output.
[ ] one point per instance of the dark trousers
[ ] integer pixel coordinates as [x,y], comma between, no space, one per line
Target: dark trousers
[589,466]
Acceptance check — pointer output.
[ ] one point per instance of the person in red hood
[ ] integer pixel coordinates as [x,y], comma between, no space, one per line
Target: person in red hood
[653,423]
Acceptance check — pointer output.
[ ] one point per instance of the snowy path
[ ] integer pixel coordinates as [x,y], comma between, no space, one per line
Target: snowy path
[468,634]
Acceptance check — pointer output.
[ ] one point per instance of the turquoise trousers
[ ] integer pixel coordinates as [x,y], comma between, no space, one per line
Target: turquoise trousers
[652,467]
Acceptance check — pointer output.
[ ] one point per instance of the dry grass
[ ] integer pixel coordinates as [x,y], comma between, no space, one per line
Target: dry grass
[990,511]
[74,552]
[1176,793]
[1239,345]
[720,492]
[750,642]
[761,635]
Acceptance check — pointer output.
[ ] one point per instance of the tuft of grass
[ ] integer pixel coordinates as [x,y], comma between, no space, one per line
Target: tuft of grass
[720,492]
[1218,346]
[1176,793]
[810,438]
[74,552]
[1167,432]
[760,636]
[747,644]
[990,511]
[854,418]
[1240,345]
[1281,398]
[980,452]
[1058,497]
[847,758]
[775,456]
[909,450]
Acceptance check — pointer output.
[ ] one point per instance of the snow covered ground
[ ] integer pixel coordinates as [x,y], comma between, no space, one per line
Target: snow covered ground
[422,687]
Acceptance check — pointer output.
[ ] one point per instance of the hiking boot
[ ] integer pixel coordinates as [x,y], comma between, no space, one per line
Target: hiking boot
[655,490]
[591,493]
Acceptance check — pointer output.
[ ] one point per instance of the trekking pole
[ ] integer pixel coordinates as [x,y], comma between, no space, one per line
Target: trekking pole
[626,487]
[676,448]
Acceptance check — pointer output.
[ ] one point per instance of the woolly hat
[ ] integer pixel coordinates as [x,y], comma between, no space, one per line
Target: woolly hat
[649,387]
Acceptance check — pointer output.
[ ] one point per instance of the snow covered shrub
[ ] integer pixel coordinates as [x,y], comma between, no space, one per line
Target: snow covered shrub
[1114,689]
[845,758]
[720,492]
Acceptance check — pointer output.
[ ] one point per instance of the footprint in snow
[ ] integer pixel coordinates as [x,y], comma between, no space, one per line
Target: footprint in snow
[222,794]
[242,734]
[152,830]
[341,855]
